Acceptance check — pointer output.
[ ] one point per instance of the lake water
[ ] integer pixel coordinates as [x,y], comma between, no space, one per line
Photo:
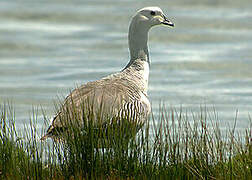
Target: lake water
[48,47]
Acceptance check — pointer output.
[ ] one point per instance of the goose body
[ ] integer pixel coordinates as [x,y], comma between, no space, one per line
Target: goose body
[122,94]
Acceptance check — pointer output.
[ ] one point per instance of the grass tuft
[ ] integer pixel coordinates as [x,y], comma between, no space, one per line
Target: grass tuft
[174,145]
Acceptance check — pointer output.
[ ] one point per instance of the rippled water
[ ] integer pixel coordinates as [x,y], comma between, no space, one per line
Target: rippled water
[48,47]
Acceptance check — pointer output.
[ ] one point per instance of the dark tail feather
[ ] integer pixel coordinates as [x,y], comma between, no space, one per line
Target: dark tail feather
[44,137]
[48,133]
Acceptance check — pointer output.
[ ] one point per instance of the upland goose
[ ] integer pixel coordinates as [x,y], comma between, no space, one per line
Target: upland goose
[123,94]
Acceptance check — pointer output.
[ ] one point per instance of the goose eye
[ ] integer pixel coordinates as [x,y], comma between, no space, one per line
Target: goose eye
[153,13]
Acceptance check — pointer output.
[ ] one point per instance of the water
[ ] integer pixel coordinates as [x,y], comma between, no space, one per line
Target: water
[49,47]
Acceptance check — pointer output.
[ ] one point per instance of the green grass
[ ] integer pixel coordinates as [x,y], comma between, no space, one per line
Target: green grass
[176,145]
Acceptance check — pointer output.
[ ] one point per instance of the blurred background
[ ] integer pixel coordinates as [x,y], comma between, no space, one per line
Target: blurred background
[48,47]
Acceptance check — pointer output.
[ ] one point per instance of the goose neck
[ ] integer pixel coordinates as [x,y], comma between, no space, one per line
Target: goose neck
[138,42]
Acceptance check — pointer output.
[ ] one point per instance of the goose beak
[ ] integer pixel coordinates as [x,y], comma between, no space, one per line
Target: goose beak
[167,22]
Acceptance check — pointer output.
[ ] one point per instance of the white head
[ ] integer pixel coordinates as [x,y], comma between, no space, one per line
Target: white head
[140,25]
[151,16]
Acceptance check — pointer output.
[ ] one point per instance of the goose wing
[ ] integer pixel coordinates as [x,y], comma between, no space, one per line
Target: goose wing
[113,96]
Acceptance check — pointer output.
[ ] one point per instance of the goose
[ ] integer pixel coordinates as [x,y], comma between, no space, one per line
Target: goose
[122,94]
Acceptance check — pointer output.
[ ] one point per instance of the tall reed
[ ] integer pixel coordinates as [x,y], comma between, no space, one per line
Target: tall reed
[173,145]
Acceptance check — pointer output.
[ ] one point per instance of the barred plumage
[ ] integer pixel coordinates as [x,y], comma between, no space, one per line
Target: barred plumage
[133,110]
[120,95]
